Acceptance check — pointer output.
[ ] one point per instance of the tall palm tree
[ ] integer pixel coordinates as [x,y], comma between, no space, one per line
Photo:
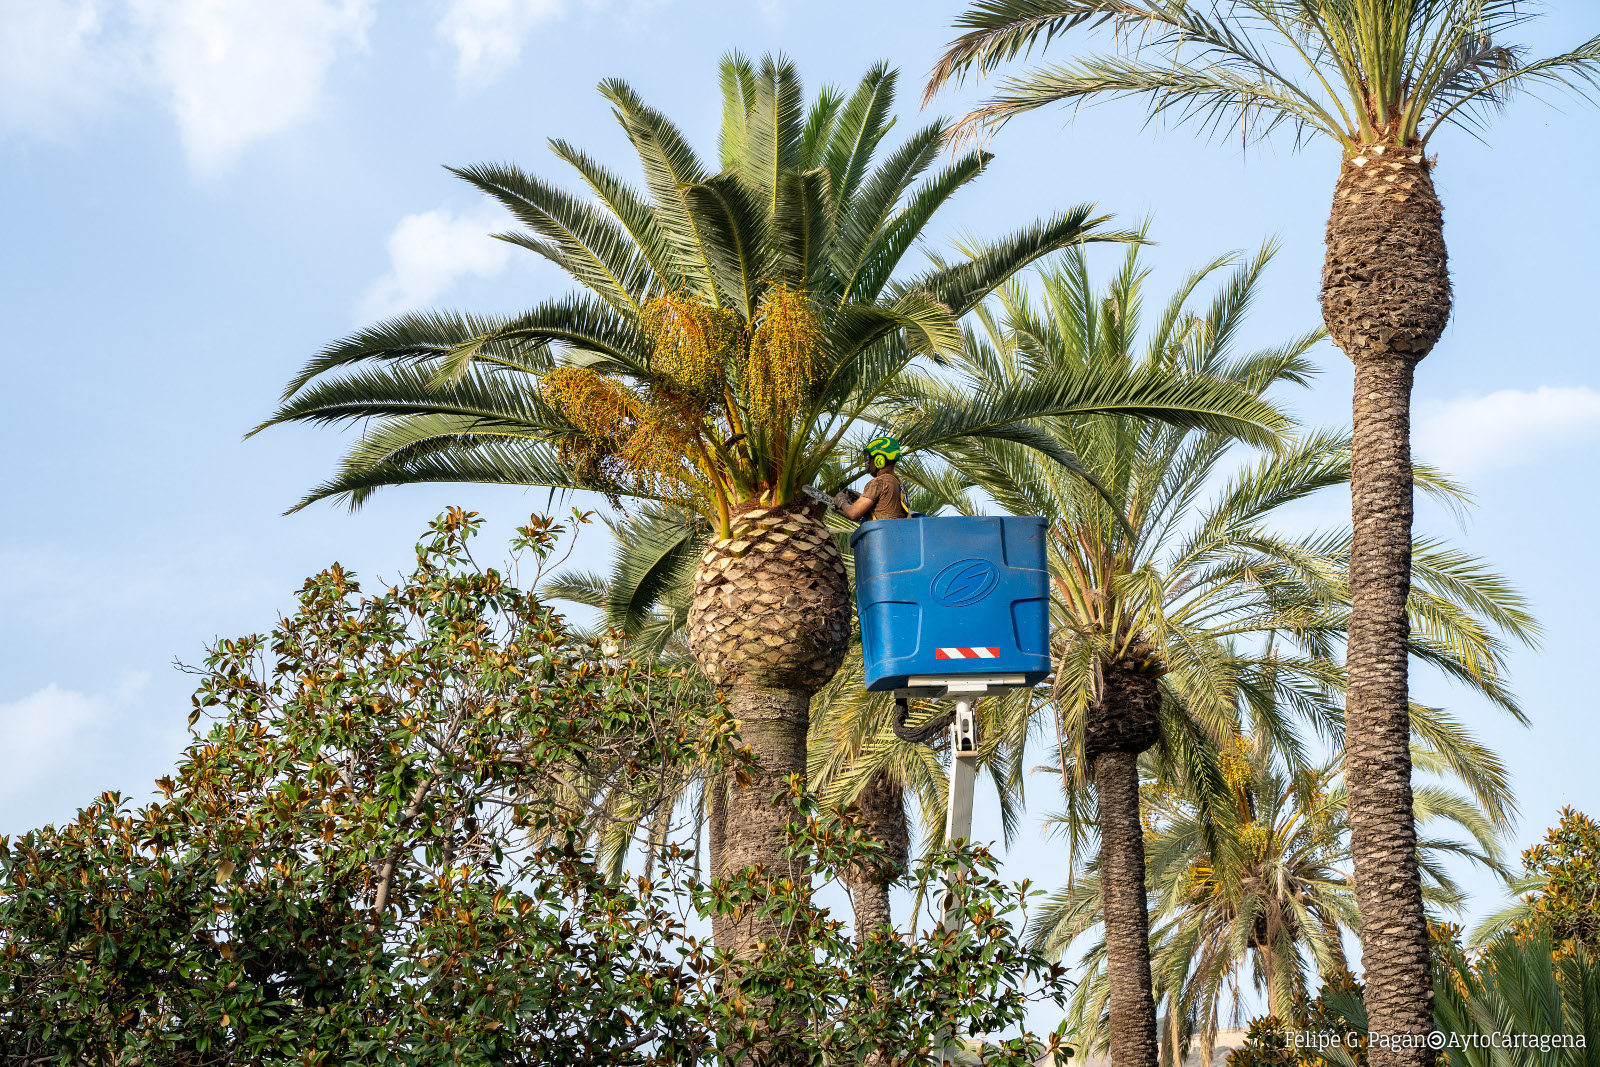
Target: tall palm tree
[1257,879]
[1379,78]
[732,329]
[1174,617]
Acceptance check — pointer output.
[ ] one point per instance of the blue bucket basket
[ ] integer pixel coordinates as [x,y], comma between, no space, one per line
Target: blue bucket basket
[952,597]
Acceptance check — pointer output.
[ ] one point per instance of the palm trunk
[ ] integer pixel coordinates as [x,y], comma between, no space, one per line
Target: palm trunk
[1172,1048]
[773,723]
[1275,1005]
[1385,298]
[1123,721]
[716,845]
[883,812]
[1127,917]
[770,623]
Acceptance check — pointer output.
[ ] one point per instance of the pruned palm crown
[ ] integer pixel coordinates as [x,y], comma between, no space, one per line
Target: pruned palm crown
[732,327]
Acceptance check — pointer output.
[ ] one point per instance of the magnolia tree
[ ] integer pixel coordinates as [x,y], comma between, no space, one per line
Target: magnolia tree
[374,850]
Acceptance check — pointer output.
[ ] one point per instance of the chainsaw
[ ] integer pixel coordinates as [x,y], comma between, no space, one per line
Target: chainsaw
[837,501]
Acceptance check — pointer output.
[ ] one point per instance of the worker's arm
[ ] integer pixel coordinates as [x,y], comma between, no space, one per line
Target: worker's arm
[858,508]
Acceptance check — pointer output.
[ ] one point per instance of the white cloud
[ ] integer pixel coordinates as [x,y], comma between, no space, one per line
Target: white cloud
[231,71]
[57,62]
[488,34]
[431,251]
[1505,428]
[44,733]
[236,71]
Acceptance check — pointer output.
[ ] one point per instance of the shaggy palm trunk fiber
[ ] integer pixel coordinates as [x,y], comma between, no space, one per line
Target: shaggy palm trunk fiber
[770,623]
[883,815]
[1123,722]
[1385,299]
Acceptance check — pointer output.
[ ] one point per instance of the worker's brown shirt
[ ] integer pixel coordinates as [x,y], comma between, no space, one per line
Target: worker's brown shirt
[886,499]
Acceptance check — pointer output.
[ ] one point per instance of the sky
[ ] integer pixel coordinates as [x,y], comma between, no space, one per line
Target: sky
[199,194]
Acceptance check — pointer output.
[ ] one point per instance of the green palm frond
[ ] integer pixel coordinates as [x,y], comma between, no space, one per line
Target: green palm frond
[422,337]
[962,285]
[800,207]
[862,123]
[582,239]
[579,587]
[730,227]
[405,388]
[874,249]
[1353,71]
[474,460]
[670,166]
[663,547]
[864,215]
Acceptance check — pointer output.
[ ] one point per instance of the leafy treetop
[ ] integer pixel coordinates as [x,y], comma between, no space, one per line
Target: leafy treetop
[374,852]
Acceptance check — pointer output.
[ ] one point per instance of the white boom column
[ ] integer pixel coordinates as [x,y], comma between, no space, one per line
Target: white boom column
[958,827]
[958,808]
[963,776]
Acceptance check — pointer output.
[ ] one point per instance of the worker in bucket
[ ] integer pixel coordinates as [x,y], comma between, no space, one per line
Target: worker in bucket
[882,498]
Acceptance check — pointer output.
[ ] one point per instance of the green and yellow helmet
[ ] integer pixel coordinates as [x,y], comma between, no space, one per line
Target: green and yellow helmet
[882,451]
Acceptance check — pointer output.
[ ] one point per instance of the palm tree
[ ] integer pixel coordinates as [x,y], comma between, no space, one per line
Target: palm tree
[1173,620]
[733,329]
[1258,878]
[1379,79]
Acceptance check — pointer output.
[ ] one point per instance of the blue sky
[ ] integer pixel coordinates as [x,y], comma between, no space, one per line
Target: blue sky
[200,193]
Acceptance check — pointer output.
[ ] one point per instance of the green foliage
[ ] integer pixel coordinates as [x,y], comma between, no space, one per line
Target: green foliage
[1559,889]
[1524,1000]
[1567,864]
[373,852]
[1355,71]
[736,332]
[1274,1042]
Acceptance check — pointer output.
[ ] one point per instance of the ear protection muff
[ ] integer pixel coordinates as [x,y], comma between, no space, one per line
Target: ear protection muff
[882,451]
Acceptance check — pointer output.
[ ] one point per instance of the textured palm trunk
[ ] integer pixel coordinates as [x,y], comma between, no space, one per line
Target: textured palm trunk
[1385,299]
[883,813]
[1122,723]
[773,723]
[717,824]
[770,623]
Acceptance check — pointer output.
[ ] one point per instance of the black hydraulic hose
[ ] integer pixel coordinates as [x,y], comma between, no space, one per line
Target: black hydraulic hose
[919,735]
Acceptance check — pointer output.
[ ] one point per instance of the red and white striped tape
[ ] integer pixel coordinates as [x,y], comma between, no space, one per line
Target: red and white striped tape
[967,653]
